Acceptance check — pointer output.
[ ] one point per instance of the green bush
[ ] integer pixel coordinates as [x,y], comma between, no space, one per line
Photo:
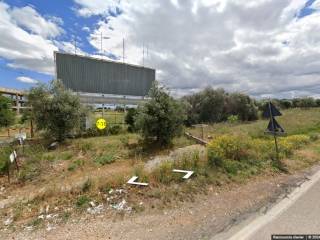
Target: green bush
[105,159]
[6,113]
[82,201]
[233,119]
[56,110]
[163,173]
[130,119]
[114,129]
[228,147]
[4,159]
[161,118]
[216,105]
[244,149]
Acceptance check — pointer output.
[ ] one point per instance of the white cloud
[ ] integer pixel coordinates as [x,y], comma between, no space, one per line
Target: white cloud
[27,80]
[87,8]
[24,49]
[316,5]
[259,47]
[28,18]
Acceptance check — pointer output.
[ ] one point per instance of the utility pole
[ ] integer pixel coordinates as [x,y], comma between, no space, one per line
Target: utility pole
[143,54]
[123,50]
[274,133]
[101,40]
[75,45]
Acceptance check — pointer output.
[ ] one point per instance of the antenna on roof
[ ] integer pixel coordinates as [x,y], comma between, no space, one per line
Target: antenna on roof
[143,54]
[123,50]
[75,44]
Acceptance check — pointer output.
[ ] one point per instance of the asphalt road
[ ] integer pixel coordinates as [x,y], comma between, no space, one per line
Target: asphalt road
[299,213]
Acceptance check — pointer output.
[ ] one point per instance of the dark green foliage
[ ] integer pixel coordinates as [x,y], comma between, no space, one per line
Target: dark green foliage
[55,110]
[6,114]
[4,158]
[305,102]
[215,105]
[241,105]
[26,115]
[129,119]
[105,159]
[114,129]
[285,104]
[161,118]
[82,201]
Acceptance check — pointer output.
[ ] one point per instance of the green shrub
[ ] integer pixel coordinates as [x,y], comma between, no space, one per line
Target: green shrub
[82,201]
[6,113]
[130,119]
[55,110]
[233,119]
[250,151]
[105,159]
[232,167]
[190,160]
[75,164]
[66,155]
[161,118]
[114,129]
[84,146]
[163,173]
[214,159]
[227,147]
[4,159]
[314,137]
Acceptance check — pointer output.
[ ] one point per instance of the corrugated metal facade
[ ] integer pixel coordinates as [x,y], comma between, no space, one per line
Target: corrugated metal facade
[91,75]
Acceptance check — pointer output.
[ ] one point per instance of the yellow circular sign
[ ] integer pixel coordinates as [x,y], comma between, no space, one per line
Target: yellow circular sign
[101,123]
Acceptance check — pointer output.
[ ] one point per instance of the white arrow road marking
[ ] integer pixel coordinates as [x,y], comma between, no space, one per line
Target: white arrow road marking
[133,179]
[188,173]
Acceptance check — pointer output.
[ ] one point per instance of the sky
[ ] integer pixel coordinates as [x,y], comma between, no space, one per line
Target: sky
[264,48]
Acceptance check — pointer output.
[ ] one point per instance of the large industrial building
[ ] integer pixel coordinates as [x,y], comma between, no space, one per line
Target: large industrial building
[99,81]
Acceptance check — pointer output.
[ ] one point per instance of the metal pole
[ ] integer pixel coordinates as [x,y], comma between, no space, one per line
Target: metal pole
[101,44]
[202,132]
[274,134]
[123,50]
[143,54]
[75,46]
[102,105]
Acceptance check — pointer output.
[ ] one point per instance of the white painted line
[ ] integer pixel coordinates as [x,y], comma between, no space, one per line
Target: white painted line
[284,204]
[187,173]
[133,179]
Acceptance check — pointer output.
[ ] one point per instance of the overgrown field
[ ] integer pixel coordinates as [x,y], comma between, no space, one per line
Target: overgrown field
[85,173]
[294,121]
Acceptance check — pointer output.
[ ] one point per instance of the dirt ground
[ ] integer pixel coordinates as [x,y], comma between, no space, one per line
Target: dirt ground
[201,219]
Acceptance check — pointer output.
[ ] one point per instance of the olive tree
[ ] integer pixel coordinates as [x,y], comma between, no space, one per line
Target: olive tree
[55,110]
[6,113]
[161,118]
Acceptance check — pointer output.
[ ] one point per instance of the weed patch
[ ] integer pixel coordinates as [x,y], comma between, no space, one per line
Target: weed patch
[105,159]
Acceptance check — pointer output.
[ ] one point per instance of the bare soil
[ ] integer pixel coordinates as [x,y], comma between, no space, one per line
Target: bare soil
[202,218]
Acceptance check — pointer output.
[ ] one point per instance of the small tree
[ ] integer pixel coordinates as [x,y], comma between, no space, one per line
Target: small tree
[130,119]
[6,114]
[161,118]
[55,110]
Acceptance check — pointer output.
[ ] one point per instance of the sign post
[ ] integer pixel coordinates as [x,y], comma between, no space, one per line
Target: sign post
[274,127]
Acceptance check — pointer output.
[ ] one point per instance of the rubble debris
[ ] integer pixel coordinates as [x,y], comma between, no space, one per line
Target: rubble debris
[95,209]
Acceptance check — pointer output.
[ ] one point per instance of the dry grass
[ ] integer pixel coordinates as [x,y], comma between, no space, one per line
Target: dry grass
[72,171]
[294,121]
